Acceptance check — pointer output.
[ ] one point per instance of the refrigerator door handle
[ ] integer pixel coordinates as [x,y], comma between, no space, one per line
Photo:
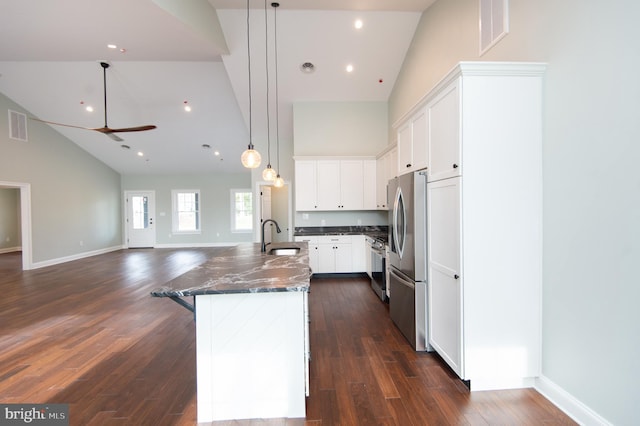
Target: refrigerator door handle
[402,280]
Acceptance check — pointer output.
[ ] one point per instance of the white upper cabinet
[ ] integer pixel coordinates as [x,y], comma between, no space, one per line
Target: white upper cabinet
[335,184]
[444,134]
[305,174]
[413,142]
[386,168]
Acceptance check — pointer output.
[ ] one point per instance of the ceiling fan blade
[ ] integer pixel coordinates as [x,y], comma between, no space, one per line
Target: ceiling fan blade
[60,124]
[133,129]
[114,137]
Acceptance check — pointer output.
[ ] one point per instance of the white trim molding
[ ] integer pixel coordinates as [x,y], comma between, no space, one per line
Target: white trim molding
[571,406]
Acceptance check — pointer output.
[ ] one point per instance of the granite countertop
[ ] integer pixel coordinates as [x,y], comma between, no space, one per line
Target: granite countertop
[371,231]
[243,269]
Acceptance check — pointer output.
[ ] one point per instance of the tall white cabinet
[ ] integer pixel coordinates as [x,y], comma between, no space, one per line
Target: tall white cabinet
[484,202]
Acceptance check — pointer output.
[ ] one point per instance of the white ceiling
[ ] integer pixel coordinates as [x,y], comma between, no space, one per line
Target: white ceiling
[177,51]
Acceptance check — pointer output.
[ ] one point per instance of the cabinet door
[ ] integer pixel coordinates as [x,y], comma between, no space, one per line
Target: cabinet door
[313,251]
[444,134]
[328,184]
[405,149]
[445,282]
[381,181]
[420,140]
[369,184]
[305,183]
[359,253]
[351,185]
[326,258]
[343,257]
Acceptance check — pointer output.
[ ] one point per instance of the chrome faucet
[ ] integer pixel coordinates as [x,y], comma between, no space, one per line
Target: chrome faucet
[263,247]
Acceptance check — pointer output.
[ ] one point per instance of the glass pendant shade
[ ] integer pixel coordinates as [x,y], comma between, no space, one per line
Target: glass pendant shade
[251,158]
[279,183]
[269,174]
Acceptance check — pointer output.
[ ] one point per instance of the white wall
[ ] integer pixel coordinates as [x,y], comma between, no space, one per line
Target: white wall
[591,324]
[75,199]
[215,205]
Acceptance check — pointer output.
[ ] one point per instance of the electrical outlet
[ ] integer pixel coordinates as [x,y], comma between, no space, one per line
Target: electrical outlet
[323,222]
[359,222]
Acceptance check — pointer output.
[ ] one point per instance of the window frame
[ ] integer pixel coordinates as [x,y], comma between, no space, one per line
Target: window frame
[232,210]
[175,213]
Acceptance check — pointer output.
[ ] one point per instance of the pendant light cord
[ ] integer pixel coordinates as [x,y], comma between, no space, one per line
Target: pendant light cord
[266,62]
[249,69]
[275,37]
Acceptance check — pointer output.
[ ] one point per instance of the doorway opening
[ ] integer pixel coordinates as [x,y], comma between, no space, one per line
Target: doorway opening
[24,206]
[273,203]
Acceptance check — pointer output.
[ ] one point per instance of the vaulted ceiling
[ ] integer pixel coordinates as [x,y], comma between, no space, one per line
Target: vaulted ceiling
[173,53]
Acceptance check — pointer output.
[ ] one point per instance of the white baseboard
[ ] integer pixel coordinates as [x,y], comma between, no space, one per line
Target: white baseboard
[195,245]
[59,260]
[10,249]
[568,403]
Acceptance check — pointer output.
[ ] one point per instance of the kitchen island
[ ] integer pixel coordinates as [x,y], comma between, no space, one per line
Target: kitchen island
[252,346]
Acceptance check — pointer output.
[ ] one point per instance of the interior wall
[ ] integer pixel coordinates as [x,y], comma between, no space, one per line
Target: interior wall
[10,235]
[215,204]
[75,199]
[591,192]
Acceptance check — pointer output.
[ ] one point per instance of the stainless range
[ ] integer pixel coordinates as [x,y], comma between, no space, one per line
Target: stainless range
[378,266]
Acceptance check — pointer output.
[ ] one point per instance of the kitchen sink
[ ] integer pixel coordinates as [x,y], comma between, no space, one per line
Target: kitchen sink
[284,251]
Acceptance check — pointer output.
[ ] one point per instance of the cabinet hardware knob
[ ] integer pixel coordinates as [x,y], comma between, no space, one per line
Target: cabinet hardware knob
[408,165]
[455,166]
[456,276]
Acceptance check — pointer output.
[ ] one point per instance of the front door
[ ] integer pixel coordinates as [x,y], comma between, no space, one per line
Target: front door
[140,212]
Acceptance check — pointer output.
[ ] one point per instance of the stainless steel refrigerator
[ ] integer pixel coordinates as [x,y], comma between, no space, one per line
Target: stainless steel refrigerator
[407,197]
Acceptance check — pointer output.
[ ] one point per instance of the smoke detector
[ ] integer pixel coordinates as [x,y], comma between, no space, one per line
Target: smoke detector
[307,67]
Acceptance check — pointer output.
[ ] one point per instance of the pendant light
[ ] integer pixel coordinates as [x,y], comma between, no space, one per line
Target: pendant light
[279,182]
[250,157]
[268,174]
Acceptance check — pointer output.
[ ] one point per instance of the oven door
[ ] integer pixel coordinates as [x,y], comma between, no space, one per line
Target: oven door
[378,273]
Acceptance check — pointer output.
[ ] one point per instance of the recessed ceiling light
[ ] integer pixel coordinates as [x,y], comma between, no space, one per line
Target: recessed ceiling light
[206,146]
[358,24]
[307,67]
[187,107]
[140,153]
[112,46]
[89,108]
[216,153]
[349,68]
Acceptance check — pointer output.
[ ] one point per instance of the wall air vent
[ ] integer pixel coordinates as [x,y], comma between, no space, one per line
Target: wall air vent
[17,126]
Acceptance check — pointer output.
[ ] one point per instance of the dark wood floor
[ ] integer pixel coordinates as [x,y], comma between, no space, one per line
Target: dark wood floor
[87,333]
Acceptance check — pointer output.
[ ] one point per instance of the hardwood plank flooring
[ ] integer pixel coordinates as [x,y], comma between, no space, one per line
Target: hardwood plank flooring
[87,333]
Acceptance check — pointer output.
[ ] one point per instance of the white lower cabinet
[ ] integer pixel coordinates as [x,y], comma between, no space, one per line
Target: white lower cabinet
[359,253]
[334,254]
[313,251]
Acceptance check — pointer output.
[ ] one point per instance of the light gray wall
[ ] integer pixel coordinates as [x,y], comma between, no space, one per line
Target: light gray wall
[10,235]
[215,205]
[591,324]
[74,197]
[339,128]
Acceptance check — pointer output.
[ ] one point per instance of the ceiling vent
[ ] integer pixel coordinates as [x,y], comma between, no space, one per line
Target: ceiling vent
[307,68]
[17,126]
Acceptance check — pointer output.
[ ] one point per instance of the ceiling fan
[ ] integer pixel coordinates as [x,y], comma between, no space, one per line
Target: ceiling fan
[106,129]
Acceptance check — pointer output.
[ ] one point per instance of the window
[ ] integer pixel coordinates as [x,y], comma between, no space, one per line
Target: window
[241,210]
[186,211]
